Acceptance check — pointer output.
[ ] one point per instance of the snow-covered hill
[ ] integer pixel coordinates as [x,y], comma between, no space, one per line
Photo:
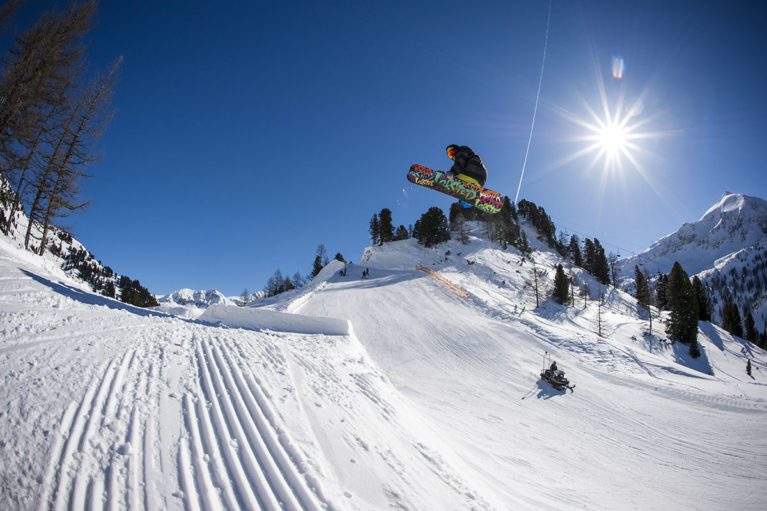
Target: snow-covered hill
[63,251]
[414,388]
[726,248]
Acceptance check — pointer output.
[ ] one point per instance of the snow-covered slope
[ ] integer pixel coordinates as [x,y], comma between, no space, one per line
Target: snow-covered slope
[742,277]
[63,251]
[416,388]
[726,248]
[736,222]
[111,406]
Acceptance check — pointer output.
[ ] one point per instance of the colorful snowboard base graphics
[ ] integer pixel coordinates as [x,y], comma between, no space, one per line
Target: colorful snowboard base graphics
[483,199]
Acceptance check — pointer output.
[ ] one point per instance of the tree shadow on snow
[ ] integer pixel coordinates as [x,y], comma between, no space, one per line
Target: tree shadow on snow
[710,332]
[378,278]
[90,299]
[701,364]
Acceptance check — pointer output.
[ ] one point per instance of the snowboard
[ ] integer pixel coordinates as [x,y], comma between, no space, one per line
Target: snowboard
[483,199]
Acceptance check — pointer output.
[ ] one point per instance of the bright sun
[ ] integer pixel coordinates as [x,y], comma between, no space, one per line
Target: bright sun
[612,135]
[613,138]
[615,135]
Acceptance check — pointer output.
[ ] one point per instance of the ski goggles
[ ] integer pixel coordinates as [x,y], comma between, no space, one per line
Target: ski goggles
[451,152]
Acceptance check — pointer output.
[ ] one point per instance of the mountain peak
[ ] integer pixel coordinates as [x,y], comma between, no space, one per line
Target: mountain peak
[736,221]
[197,298]
[736,202]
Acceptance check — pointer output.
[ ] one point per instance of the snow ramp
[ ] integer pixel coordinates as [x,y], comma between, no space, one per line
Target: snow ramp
[264,319]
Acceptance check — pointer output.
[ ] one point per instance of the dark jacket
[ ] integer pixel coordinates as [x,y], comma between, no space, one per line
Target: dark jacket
[469,164]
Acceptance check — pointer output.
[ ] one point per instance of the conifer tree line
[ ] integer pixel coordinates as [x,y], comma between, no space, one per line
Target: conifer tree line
[682,304]
[666,297]
[539,219]
[279,283]
[382,229]
[52,115]
[102,279]
[589,256]
[432,228]
[736,290]
[685,299]
[502,228]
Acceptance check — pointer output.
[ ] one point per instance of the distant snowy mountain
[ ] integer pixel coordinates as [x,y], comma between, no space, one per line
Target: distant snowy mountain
[726,248]
[202,299]
[188,303]
[734,223]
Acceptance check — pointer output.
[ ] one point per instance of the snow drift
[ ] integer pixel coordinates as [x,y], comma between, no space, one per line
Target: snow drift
[260,319]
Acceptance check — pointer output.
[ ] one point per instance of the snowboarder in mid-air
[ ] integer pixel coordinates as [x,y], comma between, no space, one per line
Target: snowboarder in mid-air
[467,166]
[465,181]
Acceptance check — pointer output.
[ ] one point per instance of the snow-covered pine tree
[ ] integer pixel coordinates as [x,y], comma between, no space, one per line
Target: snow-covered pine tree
[642,289]
[601,268]
[561,286]
[731,318]
[432,228]
[701,297]
[524,245]
[574,251]
[401,233]
[683,320]
[320,260]
[661,283]
[375,230]
[589,256]
[387,227]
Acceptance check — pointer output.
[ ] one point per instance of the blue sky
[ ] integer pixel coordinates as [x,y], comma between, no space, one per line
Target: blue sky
[247,133]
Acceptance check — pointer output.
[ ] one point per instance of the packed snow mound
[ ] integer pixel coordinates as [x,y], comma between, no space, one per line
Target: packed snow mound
[735,222]
[264,319]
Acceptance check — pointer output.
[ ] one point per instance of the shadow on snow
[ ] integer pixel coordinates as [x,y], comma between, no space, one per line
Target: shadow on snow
[91,299]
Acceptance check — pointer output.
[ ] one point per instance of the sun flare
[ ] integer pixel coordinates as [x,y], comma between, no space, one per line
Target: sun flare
[613,135]
[613,138]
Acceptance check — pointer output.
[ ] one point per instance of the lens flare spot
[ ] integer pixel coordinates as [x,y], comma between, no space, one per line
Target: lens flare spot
[618,67]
